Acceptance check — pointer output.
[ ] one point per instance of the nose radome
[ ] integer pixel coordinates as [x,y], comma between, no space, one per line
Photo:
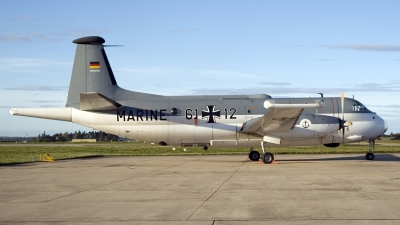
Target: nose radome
[386,126]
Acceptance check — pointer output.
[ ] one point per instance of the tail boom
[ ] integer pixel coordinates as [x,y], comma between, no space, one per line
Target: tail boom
[63,114]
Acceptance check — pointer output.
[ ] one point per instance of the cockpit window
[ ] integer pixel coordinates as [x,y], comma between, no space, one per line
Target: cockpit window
[358,107]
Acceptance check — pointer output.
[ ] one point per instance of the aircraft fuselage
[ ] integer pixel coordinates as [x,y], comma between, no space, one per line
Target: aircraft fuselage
[218,121]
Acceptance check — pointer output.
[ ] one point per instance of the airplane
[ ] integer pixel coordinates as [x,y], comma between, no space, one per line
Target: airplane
[95,100]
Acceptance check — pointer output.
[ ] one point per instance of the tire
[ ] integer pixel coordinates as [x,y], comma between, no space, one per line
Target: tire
[267,158]
[370,156]
[254,156]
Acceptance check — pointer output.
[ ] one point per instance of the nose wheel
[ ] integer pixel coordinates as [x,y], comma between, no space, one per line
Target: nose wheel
[370,155]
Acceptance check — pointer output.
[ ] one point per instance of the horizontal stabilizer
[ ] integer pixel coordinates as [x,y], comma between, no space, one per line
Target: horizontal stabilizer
[97,102]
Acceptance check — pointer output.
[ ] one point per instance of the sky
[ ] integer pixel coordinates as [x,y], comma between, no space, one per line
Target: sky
[280,48]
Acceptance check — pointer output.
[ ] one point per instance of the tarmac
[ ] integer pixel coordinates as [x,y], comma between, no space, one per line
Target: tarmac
[204,190]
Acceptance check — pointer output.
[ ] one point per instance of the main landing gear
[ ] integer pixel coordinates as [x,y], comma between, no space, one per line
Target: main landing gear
[370,155]
[266,157]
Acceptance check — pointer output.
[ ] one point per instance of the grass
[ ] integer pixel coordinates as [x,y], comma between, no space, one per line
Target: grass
[23,153]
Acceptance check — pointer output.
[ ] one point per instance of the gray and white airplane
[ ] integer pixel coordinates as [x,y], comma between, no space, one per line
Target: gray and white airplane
[96,101]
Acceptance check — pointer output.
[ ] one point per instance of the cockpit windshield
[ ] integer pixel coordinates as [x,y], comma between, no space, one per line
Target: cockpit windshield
[358,107]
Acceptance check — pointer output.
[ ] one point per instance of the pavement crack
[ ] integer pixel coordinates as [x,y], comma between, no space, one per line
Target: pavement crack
[117,181]
[365,195]
[89,189]
[215,192]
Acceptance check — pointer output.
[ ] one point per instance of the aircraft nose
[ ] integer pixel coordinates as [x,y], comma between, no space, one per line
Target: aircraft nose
[381,125]
[386,126]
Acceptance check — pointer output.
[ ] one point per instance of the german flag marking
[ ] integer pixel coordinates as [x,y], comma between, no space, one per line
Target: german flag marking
[94,66]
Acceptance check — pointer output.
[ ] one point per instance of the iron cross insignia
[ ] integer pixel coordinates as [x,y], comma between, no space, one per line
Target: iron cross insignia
[211,113]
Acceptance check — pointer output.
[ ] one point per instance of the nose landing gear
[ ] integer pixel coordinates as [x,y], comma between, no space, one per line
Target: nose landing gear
[370,155]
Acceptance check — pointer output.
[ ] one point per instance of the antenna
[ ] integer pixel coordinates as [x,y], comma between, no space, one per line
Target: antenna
[113,45]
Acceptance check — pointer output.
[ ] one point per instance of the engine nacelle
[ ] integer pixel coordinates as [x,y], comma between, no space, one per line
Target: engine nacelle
[312,125]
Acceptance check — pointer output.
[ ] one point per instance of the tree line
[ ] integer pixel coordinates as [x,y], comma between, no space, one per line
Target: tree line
[64,137]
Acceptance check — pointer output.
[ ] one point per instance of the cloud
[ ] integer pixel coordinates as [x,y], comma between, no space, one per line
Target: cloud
[49,106]
[387,106]
[226,73]
[47,37]
[27,37]
[14,38]
[77,32]
[19,19]
[14,106]
[44,101]
[203,73]
[392,85]
[37,88]
[276,83]
[30,65]
[365,47]
[268,90]
[301,90]
[388,115]
[10,62]
[392,106]
[21,106]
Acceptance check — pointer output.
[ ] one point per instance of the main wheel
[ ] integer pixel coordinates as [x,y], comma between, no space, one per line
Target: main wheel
[370,156]
[254,156]
[267,158]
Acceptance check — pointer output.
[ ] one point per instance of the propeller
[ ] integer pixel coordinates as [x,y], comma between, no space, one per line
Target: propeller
[343,122]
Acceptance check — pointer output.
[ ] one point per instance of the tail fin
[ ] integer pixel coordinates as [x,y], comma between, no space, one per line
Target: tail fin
[91,71]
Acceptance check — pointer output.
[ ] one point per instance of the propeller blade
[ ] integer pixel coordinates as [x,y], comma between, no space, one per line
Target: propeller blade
[343,121]
[343,130]
[342,101]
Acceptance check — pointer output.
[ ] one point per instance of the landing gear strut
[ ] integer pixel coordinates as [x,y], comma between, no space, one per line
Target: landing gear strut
[370,155]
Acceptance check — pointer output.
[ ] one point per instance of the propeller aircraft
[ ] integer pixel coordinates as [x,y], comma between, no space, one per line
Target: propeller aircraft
[95,100]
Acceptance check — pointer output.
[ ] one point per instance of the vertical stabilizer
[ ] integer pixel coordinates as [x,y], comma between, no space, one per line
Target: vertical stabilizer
[91,71]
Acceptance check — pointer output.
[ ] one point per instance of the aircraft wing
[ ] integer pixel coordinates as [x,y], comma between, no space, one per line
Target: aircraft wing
[280,117]
[274,120]
[97,102]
